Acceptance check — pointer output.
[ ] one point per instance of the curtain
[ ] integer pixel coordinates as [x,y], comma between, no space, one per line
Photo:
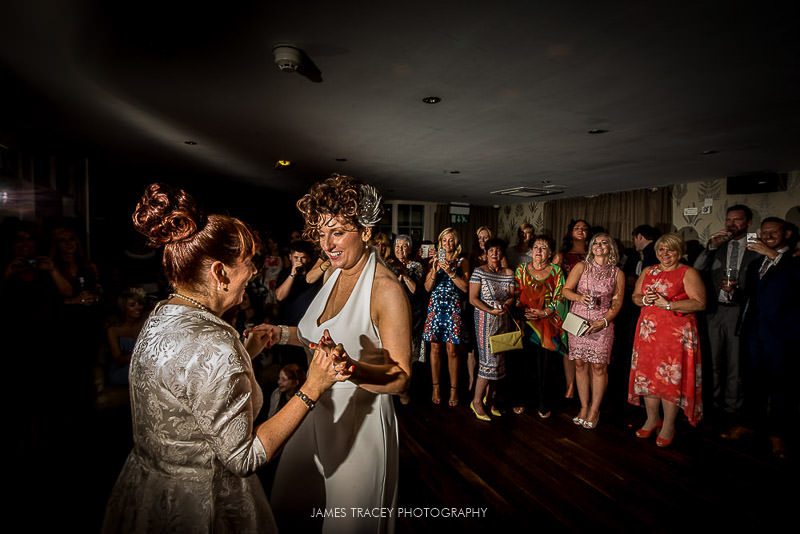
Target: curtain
[478,216]
[618,213]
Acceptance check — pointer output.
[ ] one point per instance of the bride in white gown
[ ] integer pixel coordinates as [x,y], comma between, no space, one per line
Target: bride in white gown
[339,470]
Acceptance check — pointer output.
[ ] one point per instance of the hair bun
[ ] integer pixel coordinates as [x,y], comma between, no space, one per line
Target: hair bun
[166,215]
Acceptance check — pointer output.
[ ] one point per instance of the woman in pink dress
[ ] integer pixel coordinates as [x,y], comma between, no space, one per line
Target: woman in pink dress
[596,288]
[665,364]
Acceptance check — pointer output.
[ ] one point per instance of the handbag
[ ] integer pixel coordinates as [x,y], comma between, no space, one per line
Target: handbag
[508,341]
[575,324]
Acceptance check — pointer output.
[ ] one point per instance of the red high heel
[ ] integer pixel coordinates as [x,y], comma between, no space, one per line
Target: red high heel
[664,442]
[645,433]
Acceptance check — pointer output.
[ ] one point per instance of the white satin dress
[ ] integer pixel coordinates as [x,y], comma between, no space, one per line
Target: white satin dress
[344,457]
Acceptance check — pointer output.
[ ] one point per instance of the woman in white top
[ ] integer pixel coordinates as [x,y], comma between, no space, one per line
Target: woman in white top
[345,456]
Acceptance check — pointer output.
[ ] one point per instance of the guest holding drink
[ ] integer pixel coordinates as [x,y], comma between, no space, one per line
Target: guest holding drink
[665,364]
[596,288]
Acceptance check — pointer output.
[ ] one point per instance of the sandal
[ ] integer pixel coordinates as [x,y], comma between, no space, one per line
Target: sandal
[435,396]
[519,410]
[453,401]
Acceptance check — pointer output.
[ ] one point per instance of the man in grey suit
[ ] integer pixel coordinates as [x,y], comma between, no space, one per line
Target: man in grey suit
[724,267]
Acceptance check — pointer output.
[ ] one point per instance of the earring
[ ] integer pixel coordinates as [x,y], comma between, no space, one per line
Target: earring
[225,287]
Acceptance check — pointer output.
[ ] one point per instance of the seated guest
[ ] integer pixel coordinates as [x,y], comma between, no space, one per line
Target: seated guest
[289,379]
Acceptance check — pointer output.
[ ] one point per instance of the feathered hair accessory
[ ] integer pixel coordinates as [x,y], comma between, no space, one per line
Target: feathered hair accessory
[370,211]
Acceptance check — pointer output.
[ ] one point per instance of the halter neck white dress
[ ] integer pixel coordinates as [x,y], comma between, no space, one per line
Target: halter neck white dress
[344,457]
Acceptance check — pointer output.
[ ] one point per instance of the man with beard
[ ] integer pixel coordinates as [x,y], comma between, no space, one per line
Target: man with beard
[723,265]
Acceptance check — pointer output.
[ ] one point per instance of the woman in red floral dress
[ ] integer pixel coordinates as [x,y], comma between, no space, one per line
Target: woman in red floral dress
[665,365]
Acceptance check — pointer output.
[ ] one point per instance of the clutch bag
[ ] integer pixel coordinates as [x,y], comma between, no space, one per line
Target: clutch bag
[575,324]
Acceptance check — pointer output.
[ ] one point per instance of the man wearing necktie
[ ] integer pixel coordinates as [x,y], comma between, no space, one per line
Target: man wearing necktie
[723,265]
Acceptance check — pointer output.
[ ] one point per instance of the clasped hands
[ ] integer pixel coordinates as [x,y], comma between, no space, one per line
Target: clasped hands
[653,298]
[334,356]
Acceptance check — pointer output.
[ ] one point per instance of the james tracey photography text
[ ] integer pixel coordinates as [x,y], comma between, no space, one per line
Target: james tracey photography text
[403,512]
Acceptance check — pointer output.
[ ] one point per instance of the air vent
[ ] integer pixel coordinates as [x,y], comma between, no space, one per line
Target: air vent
[529,192]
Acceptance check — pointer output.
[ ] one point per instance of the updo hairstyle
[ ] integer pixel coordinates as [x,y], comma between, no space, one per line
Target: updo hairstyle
[336,196]
[170,218]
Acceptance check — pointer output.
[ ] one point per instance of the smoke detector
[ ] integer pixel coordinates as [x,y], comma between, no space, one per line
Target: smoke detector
[287,57]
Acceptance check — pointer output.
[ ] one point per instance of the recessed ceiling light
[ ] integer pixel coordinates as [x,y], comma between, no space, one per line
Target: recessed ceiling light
[431,99]
[709,152]
[595,131]
[341,159]
[190,142]
[283,164]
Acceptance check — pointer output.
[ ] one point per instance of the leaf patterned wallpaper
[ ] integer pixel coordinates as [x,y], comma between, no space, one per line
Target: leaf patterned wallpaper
[783,204]
[513,215]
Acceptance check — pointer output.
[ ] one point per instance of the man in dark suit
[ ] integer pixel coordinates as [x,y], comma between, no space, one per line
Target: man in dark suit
[723,265]
[769,327]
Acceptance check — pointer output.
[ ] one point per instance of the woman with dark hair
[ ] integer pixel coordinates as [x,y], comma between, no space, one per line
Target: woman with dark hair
[521,252]
[538,288]
[573,251]
[346,454]
[289,379]
[193,394]
[491,292]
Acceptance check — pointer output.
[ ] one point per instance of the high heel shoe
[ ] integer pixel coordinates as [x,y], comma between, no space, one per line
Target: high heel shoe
[591,425]
[644,433]
[435,398]
[483,417]
[578,421]
[494,411]
[453,401]
[664,442]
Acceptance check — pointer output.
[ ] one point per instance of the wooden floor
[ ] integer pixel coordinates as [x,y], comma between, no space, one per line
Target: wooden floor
[547,474]
[553,475]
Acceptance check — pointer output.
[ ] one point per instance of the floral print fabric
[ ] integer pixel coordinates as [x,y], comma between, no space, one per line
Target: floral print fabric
[666,354]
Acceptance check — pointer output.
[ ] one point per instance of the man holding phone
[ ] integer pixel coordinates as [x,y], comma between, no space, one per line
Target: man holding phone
[723,265]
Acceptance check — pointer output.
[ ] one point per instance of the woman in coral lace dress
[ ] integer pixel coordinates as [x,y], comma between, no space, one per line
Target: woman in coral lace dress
[665,365]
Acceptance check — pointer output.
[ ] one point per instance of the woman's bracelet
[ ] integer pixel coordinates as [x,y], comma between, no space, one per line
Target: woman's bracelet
[605,322]
[306,399]
[284,339]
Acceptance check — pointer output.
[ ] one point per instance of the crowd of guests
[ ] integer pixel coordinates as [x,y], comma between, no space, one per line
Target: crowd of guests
[679,321]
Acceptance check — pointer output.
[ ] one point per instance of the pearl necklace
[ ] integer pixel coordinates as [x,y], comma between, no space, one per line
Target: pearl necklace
[190,299]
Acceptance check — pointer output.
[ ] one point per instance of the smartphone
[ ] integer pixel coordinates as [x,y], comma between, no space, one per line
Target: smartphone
[752,237]
[442,255]
[426,250]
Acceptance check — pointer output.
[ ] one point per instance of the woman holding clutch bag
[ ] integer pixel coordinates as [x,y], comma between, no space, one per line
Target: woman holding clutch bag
[538,286]
[596,288]
[491,292]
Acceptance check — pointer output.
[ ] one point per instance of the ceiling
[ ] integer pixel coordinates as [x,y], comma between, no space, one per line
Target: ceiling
[521,85]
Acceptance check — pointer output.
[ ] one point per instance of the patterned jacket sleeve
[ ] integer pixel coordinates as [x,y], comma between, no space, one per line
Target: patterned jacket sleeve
[220,392]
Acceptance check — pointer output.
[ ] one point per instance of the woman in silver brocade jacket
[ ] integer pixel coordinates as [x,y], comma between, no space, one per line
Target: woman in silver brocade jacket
[193,393]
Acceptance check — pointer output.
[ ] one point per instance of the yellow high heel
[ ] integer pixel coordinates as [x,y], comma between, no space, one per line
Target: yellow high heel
[483,417]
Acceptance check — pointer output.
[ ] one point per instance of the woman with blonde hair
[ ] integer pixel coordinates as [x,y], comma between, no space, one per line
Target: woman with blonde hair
[447,282]
[596,288]
[665,364]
